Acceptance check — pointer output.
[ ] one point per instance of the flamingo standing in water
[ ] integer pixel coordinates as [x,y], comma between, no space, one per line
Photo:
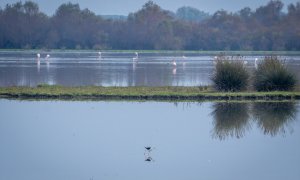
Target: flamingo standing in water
[136,56]
[47,57]
[99,55]
[255,63]
[215,60]
[38,57]
[174,63]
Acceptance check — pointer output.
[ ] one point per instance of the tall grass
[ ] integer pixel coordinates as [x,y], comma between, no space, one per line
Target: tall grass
[230,74]
[272,75]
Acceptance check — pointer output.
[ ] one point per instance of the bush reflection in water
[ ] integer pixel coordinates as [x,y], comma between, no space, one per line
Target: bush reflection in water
[230,119]
[274,118]
[234,119]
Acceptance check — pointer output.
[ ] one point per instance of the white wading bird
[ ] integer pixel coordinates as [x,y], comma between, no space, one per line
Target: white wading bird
[136,56]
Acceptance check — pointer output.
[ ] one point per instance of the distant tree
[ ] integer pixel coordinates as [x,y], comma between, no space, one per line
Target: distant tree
[245,13]
[148,25]
[77,28]
[269,14]
[294,10]
[191,14]
[224,29]
[291,27]
[22,25]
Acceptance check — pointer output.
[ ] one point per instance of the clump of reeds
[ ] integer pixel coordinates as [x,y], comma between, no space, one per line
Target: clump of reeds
[272,75]
[230,73]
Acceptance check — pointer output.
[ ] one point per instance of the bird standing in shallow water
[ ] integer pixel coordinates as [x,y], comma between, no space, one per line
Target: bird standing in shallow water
[47,57]
[174,63]
[136,56]
[38,55]
[255,63]
[148,148]
[99,55]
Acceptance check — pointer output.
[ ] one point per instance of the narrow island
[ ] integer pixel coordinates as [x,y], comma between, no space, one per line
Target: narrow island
[138,93]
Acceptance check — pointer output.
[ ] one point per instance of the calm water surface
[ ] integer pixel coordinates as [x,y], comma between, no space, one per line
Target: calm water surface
[77,68]
[105,140]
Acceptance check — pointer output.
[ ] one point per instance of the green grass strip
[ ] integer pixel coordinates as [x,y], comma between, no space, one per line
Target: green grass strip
[138,93]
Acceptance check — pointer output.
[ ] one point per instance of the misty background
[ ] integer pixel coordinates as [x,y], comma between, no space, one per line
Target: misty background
[124,7]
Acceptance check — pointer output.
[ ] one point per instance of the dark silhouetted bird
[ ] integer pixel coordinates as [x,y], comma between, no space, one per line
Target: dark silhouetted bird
[148,148]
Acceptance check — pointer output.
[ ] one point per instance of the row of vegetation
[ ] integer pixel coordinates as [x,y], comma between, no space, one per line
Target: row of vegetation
[23,25]
[139,93]
[270,75]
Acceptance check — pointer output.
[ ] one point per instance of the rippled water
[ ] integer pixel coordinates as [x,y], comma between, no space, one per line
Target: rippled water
[106,140]
[72,68]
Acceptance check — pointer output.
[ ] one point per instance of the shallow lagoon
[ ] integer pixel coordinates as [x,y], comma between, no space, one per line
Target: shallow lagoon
[80,68]
[105,140]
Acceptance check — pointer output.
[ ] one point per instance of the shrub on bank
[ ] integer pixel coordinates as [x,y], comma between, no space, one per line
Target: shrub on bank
[272,75]
[230,74]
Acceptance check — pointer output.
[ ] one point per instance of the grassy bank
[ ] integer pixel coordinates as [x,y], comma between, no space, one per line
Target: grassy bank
[137,93]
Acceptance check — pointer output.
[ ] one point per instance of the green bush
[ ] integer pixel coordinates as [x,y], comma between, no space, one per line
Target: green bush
[272,75]
[230,74]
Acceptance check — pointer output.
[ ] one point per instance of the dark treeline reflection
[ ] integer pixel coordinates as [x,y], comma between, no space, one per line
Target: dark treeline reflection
[235,119]
[23,25]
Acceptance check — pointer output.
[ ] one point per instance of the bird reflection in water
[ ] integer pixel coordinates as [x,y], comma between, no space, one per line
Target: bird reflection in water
[174,71]
[134,63]
[183,61]
[147,154]
[99,55]
[148,159]
[48,65]
[38,63]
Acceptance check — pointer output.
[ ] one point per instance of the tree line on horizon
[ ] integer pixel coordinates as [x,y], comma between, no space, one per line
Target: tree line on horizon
[267,28]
